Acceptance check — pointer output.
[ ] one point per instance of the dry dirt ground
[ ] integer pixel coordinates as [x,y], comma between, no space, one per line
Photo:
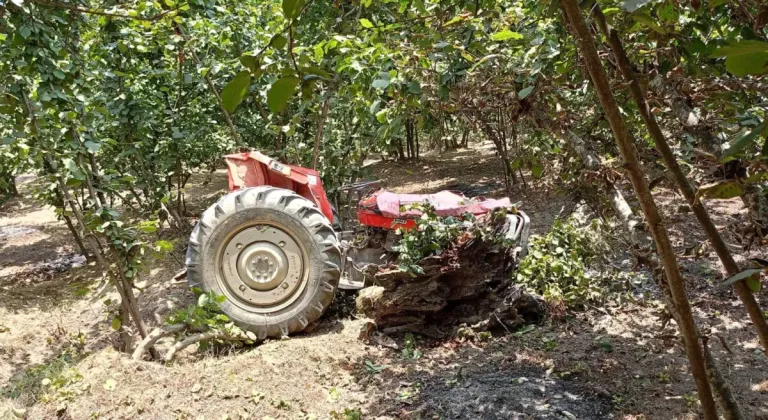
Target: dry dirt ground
[57,361]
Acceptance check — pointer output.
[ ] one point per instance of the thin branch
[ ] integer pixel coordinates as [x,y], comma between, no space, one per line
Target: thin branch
[210,335]
[282,31]
[290,51]
[152,338]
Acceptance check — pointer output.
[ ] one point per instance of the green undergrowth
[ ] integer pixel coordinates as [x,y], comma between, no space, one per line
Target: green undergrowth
[568,265]
[434,235]
[55,381]
[205,315]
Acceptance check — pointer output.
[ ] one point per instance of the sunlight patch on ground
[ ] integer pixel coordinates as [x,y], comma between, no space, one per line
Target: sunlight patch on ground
[417,187]
[37,217]
[14,231]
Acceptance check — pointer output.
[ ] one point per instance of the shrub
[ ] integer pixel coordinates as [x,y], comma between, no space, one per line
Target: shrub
[432,236]
[558,264]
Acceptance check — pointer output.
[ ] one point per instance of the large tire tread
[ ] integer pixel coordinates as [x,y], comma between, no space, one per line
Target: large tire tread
[324,254]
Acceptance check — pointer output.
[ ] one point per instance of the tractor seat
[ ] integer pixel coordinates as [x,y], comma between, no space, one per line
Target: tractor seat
[446,203]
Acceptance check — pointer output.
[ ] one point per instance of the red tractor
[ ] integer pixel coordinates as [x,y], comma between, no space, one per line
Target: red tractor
[275,248]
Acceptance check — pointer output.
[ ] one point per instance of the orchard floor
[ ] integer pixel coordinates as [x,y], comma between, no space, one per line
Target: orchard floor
[610,362]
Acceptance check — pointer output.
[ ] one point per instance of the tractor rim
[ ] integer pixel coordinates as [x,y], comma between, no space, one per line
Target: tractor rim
[262,267]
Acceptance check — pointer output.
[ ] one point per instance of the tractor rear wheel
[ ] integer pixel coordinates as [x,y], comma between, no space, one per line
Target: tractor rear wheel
[272,254]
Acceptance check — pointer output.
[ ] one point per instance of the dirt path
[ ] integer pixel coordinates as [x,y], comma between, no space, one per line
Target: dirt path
[605,363]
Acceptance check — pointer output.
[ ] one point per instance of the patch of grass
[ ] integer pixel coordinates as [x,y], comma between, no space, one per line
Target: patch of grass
[347,414]
[549,343]
[56,380]
[373,368]
[664,376]
[31,385]
[410,352]
[409,393]
[691,400]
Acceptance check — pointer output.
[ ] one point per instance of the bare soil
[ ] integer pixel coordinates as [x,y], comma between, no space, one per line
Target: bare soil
[611,362]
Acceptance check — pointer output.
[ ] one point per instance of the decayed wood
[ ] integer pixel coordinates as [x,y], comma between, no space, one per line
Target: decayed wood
[468,284]
[654,220]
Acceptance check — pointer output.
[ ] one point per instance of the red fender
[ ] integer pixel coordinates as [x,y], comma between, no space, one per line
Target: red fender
[254,169]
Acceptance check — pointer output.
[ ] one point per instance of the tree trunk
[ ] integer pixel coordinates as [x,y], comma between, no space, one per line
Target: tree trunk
[93,242]
[128,304]
[670,161]
[416,139]
[409,137]
[509,175]
[76,236]
[11,181]
[95,174]
[655,223]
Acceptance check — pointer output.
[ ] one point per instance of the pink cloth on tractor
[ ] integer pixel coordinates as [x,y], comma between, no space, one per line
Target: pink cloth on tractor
[446,203]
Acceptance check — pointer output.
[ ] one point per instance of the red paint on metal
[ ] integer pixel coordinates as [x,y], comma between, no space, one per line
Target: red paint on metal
[253,169]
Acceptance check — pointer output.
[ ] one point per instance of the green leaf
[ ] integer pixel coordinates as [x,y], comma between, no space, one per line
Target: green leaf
[380,83]
[147,226]
[455,19]
[606,345]
[59,74]
[92,147]
[280,92]
[744,47]
[744,57]
[414,88]
[279,42]
[164,246]
[381,116]
[741,275]
[202,300]
[525,92]
[644,18]
[117,323]
[366,23]
[289,8]
[536,169]
[505,35]
[235,90]
[753,283]
[73,169]
[721,190]
[745,65]
[250,62]
[741,140]
[312,70]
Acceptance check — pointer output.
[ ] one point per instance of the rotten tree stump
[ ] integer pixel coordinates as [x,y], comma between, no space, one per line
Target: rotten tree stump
[469,284]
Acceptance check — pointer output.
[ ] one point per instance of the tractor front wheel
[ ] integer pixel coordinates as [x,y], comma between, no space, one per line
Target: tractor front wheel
[272,254]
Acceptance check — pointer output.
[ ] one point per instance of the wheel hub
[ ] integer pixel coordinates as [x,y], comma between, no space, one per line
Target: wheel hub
[263,268]
[262,265]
